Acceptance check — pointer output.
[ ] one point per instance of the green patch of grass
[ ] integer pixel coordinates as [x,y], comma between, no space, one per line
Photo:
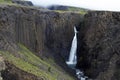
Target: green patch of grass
[26,66]
[5,1]
[73,10]
[27,61]
[60,11]
[78,12]
[8,2]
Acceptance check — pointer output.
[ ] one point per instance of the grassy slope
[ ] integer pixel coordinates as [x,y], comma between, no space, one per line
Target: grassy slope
[30,63]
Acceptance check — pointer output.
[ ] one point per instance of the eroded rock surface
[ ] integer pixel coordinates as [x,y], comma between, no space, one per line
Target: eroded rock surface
[99,50]
[48,34]
[38,29]
[2,66]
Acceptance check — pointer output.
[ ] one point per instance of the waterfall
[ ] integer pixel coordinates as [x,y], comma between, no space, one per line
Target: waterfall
[73,58]
[72,61]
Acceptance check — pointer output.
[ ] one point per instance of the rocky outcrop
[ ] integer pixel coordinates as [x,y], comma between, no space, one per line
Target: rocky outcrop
[99,47]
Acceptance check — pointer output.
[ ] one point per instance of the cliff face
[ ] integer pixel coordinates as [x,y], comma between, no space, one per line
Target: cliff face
[99,48]
[47,34]
[37,29]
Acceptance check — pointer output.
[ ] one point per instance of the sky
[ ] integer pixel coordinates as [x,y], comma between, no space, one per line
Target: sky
[109,5]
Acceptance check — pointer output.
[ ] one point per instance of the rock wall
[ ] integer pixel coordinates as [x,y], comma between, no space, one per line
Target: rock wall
[99,47]
[47,33]
[2,66]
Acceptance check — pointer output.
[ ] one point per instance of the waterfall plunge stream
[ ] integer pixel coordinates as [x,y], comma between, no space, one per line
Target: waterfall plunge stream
[73,58]
[72,61]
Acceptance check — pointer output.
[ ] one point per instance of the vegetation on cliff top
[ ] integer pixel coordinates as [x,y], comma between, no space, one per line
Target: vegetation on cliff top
[73,9]
[5,1]
[70,9]
[27,61]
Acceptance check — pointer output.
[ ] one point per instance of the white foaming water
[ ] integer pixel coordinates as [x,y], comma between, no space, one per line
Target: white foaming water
[73,58]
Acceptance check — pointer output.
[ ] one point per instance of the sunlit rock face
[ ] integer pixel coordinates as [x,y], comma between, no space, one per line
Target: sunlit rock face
[99,45]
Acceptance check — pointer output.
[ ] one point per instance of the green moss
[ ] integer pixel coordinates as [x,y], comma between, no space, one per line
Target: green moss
[27,61]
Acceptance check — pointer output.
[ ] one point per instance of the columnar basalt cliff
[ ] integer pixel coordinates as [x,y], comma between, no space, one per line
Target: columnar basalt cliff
[37,29]
[46,33]
[99,49]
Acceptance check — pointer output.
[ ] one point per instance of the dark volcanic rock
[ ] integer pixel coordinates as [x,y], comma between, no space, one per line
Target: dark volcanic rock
[99,50]
[47,33]
[37,29]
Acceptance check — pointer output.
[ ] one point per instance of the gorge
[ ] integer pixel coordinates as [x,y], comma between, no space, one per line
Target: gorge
[35,44]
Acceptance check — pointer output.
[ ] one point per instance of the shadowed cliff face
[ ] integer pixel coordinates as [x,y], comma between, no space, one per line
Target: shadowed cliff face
[48,34]
[99,50]
[39,30]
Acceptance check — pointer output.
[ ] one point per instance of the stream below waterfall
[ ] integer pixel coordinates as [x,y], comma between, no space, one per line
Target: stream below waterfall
[72,61]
